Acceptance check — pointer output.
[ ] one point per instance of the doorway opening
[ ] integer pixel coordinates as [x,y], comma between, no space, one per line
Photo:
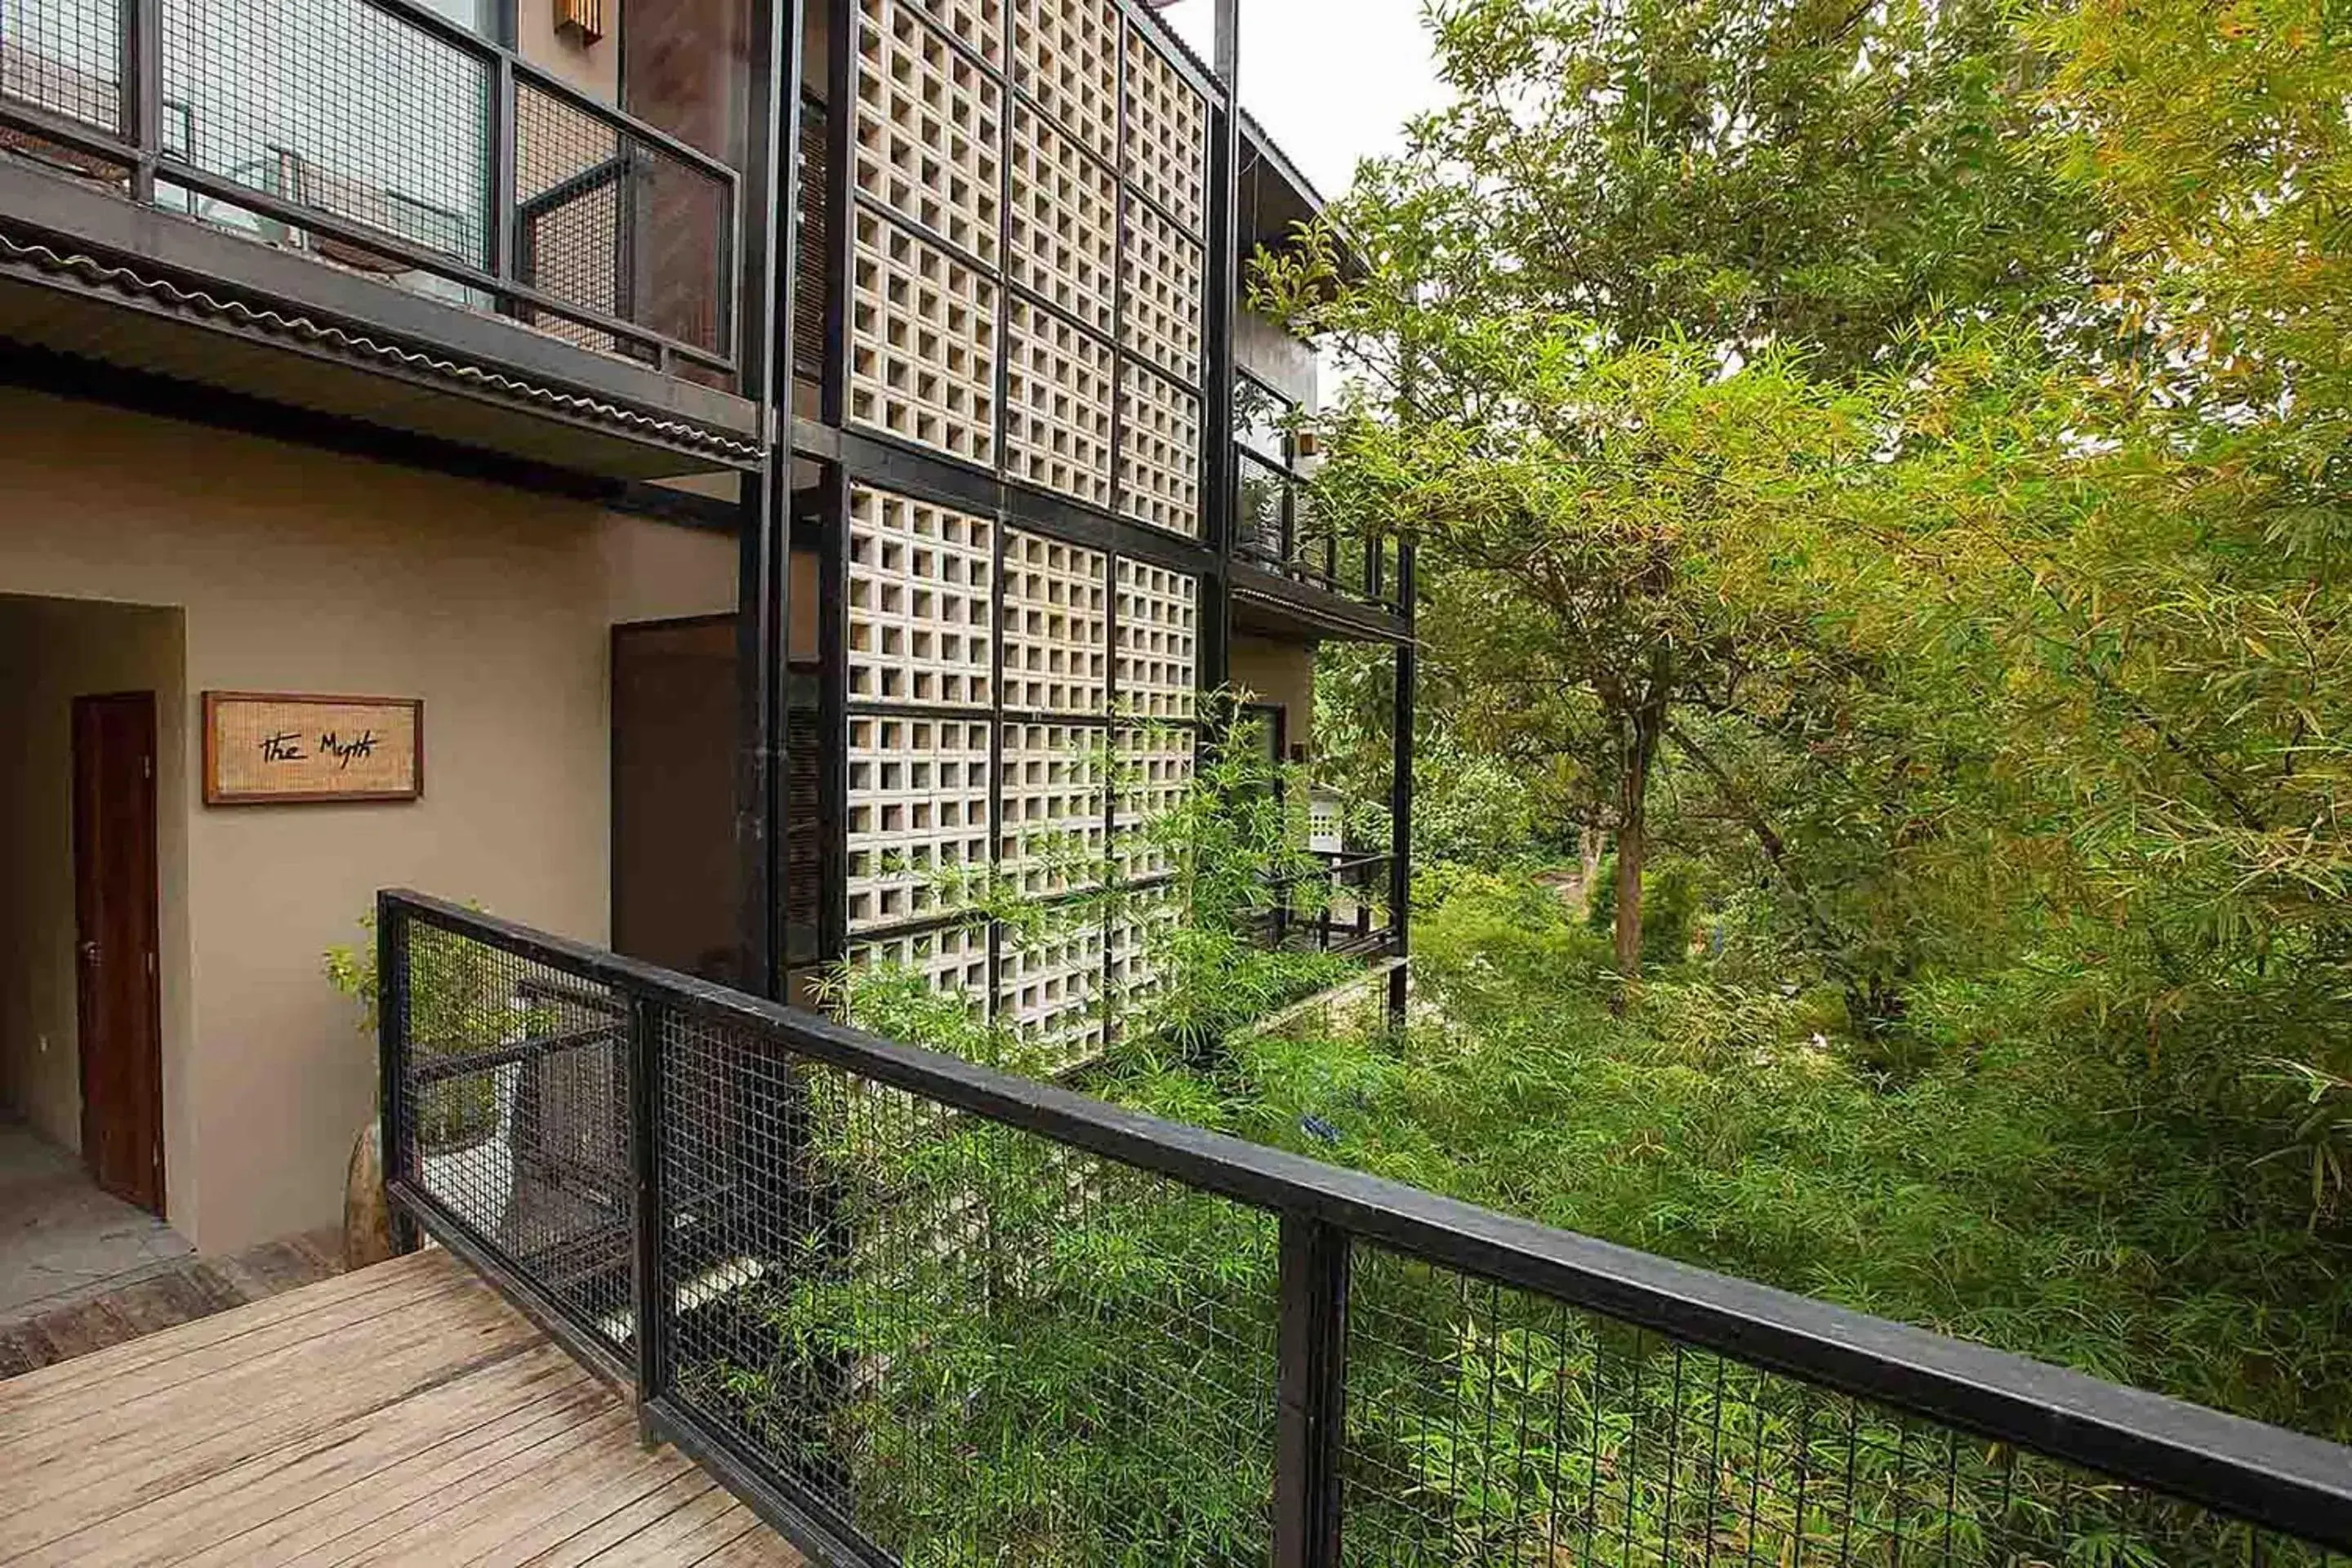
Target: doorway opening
[92,820]
[88,793]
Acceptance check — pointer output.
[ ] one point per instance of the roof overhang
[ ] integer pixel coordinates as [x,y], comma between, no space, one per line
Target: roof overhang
[1276,198]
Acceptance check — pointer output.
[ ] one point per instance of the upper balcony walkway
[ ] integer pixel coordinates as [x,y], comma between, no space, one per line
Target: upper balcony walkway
[361,209]
[402,1414]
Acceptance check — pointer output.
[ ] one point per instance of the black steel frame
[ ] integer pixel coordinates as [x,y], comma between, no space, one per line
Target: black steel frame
[2265,1476]
[853,455]
[763,272]
[138,147]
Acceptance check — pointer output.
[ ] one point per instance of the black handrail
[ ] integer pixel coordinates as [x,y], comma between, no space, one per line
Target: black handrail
[2274,1478]
[1360,874]
[1357,566]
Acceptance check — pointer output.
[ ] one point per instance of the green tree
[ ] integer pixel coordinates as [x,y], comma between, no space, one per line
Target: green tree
[1917,435]
[1634,305]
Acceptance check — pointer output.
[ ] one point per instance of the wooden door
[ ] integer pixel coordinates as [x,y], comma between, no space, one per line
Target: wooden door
[675,881]
[117,1002]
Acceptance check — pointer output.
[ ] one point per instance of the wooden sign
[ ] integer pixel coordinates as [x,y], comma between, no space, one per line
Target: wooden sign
[265,748]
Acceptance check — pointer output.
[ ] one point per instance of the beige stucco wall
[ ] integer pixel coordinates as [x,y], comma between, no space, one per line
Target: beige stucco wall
[1278,672]
[592,68]
[52,651]
[304,571]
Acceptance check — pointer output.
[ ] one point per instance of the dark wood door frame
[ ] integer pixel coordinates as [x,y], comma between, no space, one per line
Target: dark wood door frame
[118,990]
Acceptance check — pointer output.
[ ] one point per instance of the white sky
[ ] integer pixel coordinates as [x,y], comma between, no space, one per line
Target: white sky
[1331,81]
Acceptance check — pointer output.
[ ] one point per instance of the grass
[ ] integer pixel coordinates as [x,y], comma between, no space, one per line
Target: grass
[999,1352]
[2023,1190]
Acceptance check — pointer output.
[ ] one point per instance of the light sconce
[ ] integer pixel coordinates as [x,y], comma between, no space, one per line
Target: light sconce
[579,20]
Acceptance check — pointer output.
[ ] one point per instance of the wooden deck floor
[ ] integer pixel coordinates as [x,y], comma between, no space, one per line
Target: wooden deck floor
[402,1414]
[165,1297]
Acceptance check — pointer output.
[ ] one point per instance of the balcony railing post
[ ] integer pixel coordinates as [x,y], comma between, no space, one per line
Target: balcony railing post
[1400,788]
[392,1057]
[650,1296]
[1311,1393]
[503,203]
[140,76]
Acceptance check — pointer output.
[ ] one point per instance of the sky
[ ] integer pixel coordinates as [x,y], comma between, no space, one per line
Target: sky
[1331,81]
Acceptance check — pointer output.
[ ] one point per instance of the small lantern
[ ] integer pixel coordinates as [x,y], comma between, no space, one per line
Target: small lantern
[1326,826]
[582,21]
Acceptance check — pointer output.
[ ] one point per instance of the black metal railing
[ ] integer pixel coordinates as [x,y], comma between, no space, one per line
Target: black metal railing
[380,136]
[914,1310]
[1339,906]
[1276,527]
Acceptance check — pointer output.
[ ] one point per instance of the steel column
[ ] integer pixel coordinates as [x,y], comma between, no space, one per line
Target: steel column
[840,203]
[765,315]
[391,1055]
[1224,271]
[1407,679]
[832,721]
[142,66]
[504,215]
[650,1295]
[1311,1393]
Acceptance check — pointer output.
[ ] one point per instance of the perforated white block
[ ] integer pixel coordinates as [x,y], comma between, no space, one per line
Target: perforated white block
[1159,620]
[930,127]
[1056,627]
[1327,823]
[1167,148]
[1161,270]
[980,23]
[1065,55]
[1057,395]
[918,813]
[918,602]
[1154,770]
[953,959]
[1051,838]
[922,363]
[1051,988]
[1065,221]
[1140,921]
[1160,452]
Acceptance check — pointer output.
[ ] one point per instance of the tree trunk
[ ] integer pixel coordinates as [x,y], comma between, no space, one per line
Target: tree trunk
[1648,723]
[1589,843]
[1630,846]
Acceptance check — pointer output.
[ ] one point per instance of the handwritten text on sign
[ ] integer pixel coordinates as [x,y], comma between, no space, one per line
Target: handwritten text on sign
[263,747]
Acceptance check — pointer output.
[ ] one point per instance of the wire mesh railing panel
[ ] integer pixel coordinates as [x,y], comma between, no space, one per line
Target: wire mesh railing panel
[1261,498]
[65,57]
[917,1334]
[613,223]
[514,1097]
[370,135]
[1490,1425]
[336,105]
[966,1342]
